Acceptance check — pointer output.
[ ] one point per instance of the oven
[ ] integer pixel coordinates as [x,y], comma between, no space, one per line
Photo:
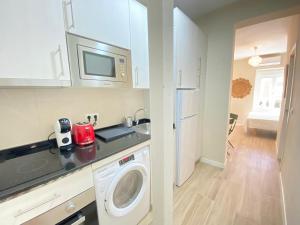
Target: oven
[80,210]
[96,64]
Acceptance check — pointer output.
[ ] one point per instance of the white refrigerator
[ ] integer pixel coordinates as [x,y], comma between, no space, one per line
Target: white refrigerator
[187,133]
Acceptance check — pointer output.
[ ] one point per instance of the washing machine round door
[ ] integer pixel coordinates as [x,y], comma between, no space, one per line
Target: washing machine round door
[126,190]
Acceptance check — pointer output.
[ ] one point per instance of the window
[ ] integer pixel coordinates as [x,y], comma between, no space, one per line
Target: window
[268,90]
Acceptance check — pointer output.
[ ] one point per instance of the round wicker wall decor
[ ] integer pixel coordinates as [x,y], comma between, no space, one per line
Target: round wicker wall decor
[241,88]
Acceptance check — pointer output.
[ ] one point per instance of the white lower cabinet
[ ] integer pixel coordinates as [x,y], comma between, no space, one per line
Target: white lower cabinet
[33,48]
[29,205]
[139,44]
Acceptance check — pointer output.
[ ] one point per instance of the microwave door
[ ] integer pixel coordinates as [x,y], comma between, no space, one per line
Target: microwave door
[96,64]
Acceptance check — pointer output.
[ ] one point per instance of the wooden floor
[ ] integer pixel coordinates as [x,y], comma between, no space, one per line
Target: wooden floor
[246,192]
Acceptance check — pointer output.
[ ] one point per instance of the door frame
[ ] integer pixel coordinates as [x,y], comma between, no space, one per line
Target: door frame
[248,22]
[286,102]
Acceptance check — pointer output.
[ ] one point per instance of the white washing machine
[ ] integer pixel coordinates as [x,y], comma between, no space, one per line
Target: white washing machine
[123,189]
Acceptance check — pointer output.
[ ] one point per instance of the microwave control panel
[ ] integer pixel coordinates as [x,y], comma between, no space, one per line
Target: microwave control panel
[122,67]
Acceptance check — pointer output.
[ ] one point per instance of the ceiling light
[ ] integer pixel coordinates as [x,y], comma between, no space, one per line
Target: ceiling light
[255,60]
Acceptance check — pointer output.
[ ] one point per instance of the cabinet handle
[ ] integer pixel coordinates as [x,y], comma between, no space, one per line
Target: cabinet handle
[136,76]
[200,66]
[66,5]
[187,117]
[180,77]
[50,199]
[61,63]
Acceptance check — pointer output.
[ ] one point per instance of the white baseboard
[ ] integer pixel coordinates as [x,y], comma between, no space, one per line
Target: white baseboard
[212,162]
[282,201]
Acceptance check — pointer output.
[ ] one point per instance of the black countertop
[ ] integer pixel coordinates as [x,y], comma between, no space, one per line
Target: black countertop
[28,166]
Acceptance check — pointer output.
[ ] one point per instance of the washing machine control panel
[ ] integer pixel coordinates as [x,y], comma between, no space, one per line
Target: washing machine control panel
[126,160]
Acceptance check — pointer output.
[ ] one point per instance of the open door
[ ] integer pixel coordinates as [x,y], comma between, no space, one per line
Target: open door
[286,109]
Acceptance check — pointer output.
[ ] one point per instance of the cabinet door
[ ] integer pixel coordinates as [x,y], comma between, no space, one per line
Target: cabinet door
[186,149]
[33,45]
[184,50]
[103,20]
[139,44]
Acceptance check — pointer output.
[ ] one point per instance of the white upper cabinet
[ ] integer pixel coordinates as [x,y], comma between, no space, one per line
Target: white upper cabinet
[103,20]
[139,44]
[33,48]
[187,60]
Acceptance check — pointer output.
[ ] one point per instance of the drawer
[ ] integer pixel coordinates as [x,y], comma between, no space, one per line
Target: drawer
[45,197]
[64,210]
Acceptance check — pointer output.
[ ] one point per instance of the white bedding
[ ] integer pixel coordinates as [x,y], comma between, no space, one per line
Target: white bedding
[263,121]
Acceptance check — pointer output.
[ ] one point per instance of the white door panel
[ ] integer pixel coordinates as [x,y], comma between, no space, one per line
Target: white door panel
[190,102]
[186,59]
[286,106]
[103,20]
[186,148]
[33,43]
[139,44]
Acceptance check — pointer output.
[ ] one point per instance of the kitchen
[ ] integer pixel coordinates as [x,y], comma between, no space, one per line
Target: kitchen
[72,77]
[116,112]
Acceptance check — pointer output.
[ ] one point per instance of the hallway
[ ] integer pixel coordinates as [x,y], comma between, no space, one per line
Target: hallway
[246,192]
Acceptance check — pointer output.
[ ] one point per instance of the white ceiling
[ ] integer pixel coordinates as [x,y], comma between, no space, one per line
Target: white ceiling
[197,8]
[270,37]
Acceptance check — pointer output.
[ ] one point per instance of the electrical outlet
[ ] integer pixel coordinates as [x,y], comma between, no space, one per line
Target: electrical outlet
[90,117]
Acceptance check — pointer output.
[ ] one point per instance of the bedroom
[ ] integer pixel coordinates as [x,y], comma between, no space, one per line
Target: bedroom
[259,81]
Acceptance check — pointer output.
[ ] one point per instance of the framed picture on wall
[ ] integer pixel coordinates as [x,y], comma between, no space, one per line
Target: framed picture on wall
[240,88]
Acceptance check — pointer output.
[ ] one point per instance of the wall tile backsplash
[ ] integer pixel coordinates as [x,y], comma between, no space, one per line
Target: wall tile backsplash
[28,115]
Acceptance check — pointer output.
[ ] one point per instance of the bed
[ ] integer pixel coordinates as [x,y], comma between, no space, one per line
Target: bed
[263,121]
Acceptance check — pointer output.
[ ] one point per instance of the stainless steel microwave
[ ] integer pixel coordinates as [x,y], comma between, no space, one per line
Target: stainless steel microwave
[96,64]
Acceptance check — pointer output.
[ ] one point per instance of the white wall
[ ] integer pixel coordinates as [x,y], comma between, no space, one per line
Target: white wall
[28,115]
[290,165]
[242,106]
[219,28]
[160,22]
[241,69]
[203,54]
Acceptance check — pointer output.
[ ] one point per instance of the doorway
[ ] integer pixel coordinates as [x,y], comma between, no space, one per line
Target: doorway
[259,81]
